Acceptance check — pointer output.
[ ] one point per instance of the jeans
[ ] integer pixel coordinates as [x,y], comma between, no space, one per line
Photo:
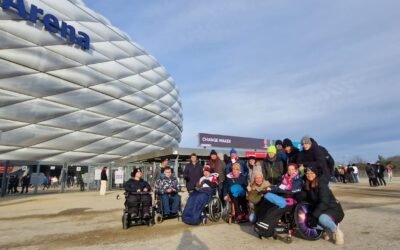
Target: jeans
[390,177]
[166,205]
[356,178]
[327,223]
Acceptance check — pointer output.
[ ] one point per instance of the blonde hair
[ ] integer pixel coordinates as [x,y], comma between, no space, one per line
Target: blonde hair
[253,183]
[236,166]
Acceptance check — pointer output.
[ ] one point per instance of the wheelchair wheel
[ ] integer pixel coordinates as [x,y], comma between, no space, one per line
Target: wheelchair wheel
[125,221]
[215,209]
[158,218]
[226,212]
[301,213]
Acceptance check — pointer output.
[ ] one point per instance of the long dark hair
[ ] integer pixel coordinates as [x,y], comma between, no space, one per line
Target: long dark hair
[311,184]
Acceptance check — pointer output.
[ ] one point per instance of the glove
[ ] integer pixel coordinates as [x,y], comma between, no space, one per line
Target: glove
[312,221]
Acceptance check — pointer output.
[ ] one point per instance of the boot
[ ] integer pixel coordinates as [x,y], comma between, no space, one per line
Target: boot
[326,235]
[339,237]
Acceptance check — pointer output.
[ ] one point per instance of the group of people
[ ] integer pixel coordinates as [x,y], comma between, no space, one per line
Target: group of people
[14,182]
[254,187]
[347,174]
[376,174]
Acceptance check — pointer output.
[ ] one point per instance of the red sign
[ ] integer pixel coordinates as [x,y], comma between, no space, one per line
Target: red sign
[10,169]
[258,155]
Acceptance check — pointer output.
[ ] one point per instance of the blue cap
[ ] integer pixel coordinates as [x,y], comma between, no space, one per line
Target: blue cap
[233,151]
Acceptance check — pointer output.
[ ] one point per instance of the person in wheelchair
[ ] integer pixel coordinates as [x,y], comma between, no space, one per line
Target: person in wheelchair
[198,199]
[138,193]
[235,188]
[327,211]
[167,188]
[284,193]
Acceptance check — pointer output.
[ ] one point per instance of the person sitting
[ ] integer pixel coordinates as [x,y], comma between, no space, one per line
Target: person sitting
[235,188]
[199,198]
[256,191]
[291,183]
[209,182]
[167,188]
[138,190]
[327,210]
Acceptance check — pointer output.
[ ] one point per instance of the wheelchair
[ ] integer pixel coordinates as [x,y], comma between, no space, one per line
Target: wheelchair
[294,222]
[129,220]
[212,211]
[229,213]
[159,211]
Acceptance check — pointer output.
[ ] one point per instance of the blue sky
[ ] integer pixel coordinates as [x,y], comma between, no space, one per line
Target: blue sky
[275,68]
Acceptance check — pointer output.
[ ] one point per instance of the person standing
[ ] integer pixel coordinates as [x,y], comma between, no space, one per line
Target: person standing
[313,153]
[254,168]
[235,159]
[281,152]
[291,151]
[25,181]
[273,166]
[355,174]
[80,182]
[389,169]
[192,173]
[371,175]
[158,172]
[381,173]
[104,180]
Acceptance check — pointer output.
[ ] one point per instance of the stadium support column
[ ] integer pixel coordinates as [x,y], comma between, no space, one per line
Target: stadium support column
[176,166]
[37,173]
[63,176]
[4,179]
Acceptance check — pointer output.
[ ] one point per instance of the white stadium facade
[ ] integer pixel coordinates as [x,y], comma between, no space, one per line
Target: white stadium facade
[73,88]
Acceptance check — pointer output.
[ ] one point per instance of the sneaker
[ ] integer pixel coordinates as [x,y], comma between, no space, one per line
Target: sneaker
[134,215]
[146,215]
[339,237]
[326,235]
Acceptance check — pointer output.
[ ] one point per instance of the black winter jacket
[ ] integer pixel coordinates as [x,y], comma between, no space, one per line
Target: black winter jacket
[324,201]
[192,175]
[133,185]
[315,154]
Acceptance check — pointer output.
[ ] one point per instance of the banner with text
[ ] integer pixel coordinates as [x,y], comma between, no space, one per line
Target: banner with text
[226,141]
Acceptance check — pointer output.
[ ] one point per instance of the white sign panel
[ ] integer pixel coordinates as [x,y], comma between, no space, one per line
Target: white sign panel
[78,169]
[37,179]
[119,177]
[97,174]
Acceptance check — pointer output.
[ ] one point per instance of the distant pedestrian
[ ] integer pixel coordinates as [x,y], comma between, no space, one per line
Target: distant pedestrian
[25,181]
[355,174]
[371,175]
[103,183]
[389,169]
[381,173]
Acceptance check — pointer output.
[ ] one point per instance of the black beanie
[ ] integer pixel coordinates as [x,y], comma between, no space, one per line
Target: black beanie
[135,171]
[287,142]
[213,152]
[278,142]
[312,166]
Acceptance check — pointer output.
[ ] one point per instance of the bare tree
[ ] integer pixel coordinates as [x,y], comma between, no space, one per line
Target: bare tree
[357,160]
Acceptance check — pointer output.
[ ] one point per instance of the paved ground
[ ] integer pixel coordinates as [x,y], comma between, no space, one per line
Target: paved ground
[89,221]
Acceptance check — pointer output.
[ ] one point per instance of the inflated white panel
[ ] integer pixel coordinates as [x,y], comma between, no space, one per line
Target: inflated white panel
[64,104]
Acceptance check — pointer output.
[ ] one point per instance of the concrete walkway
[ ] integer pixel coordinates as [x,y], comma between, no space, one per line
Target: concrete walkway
[89,221]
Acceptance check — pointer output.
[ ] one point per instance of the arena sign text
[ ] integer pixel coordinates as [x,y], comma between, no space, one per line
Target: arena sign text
[50,22]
